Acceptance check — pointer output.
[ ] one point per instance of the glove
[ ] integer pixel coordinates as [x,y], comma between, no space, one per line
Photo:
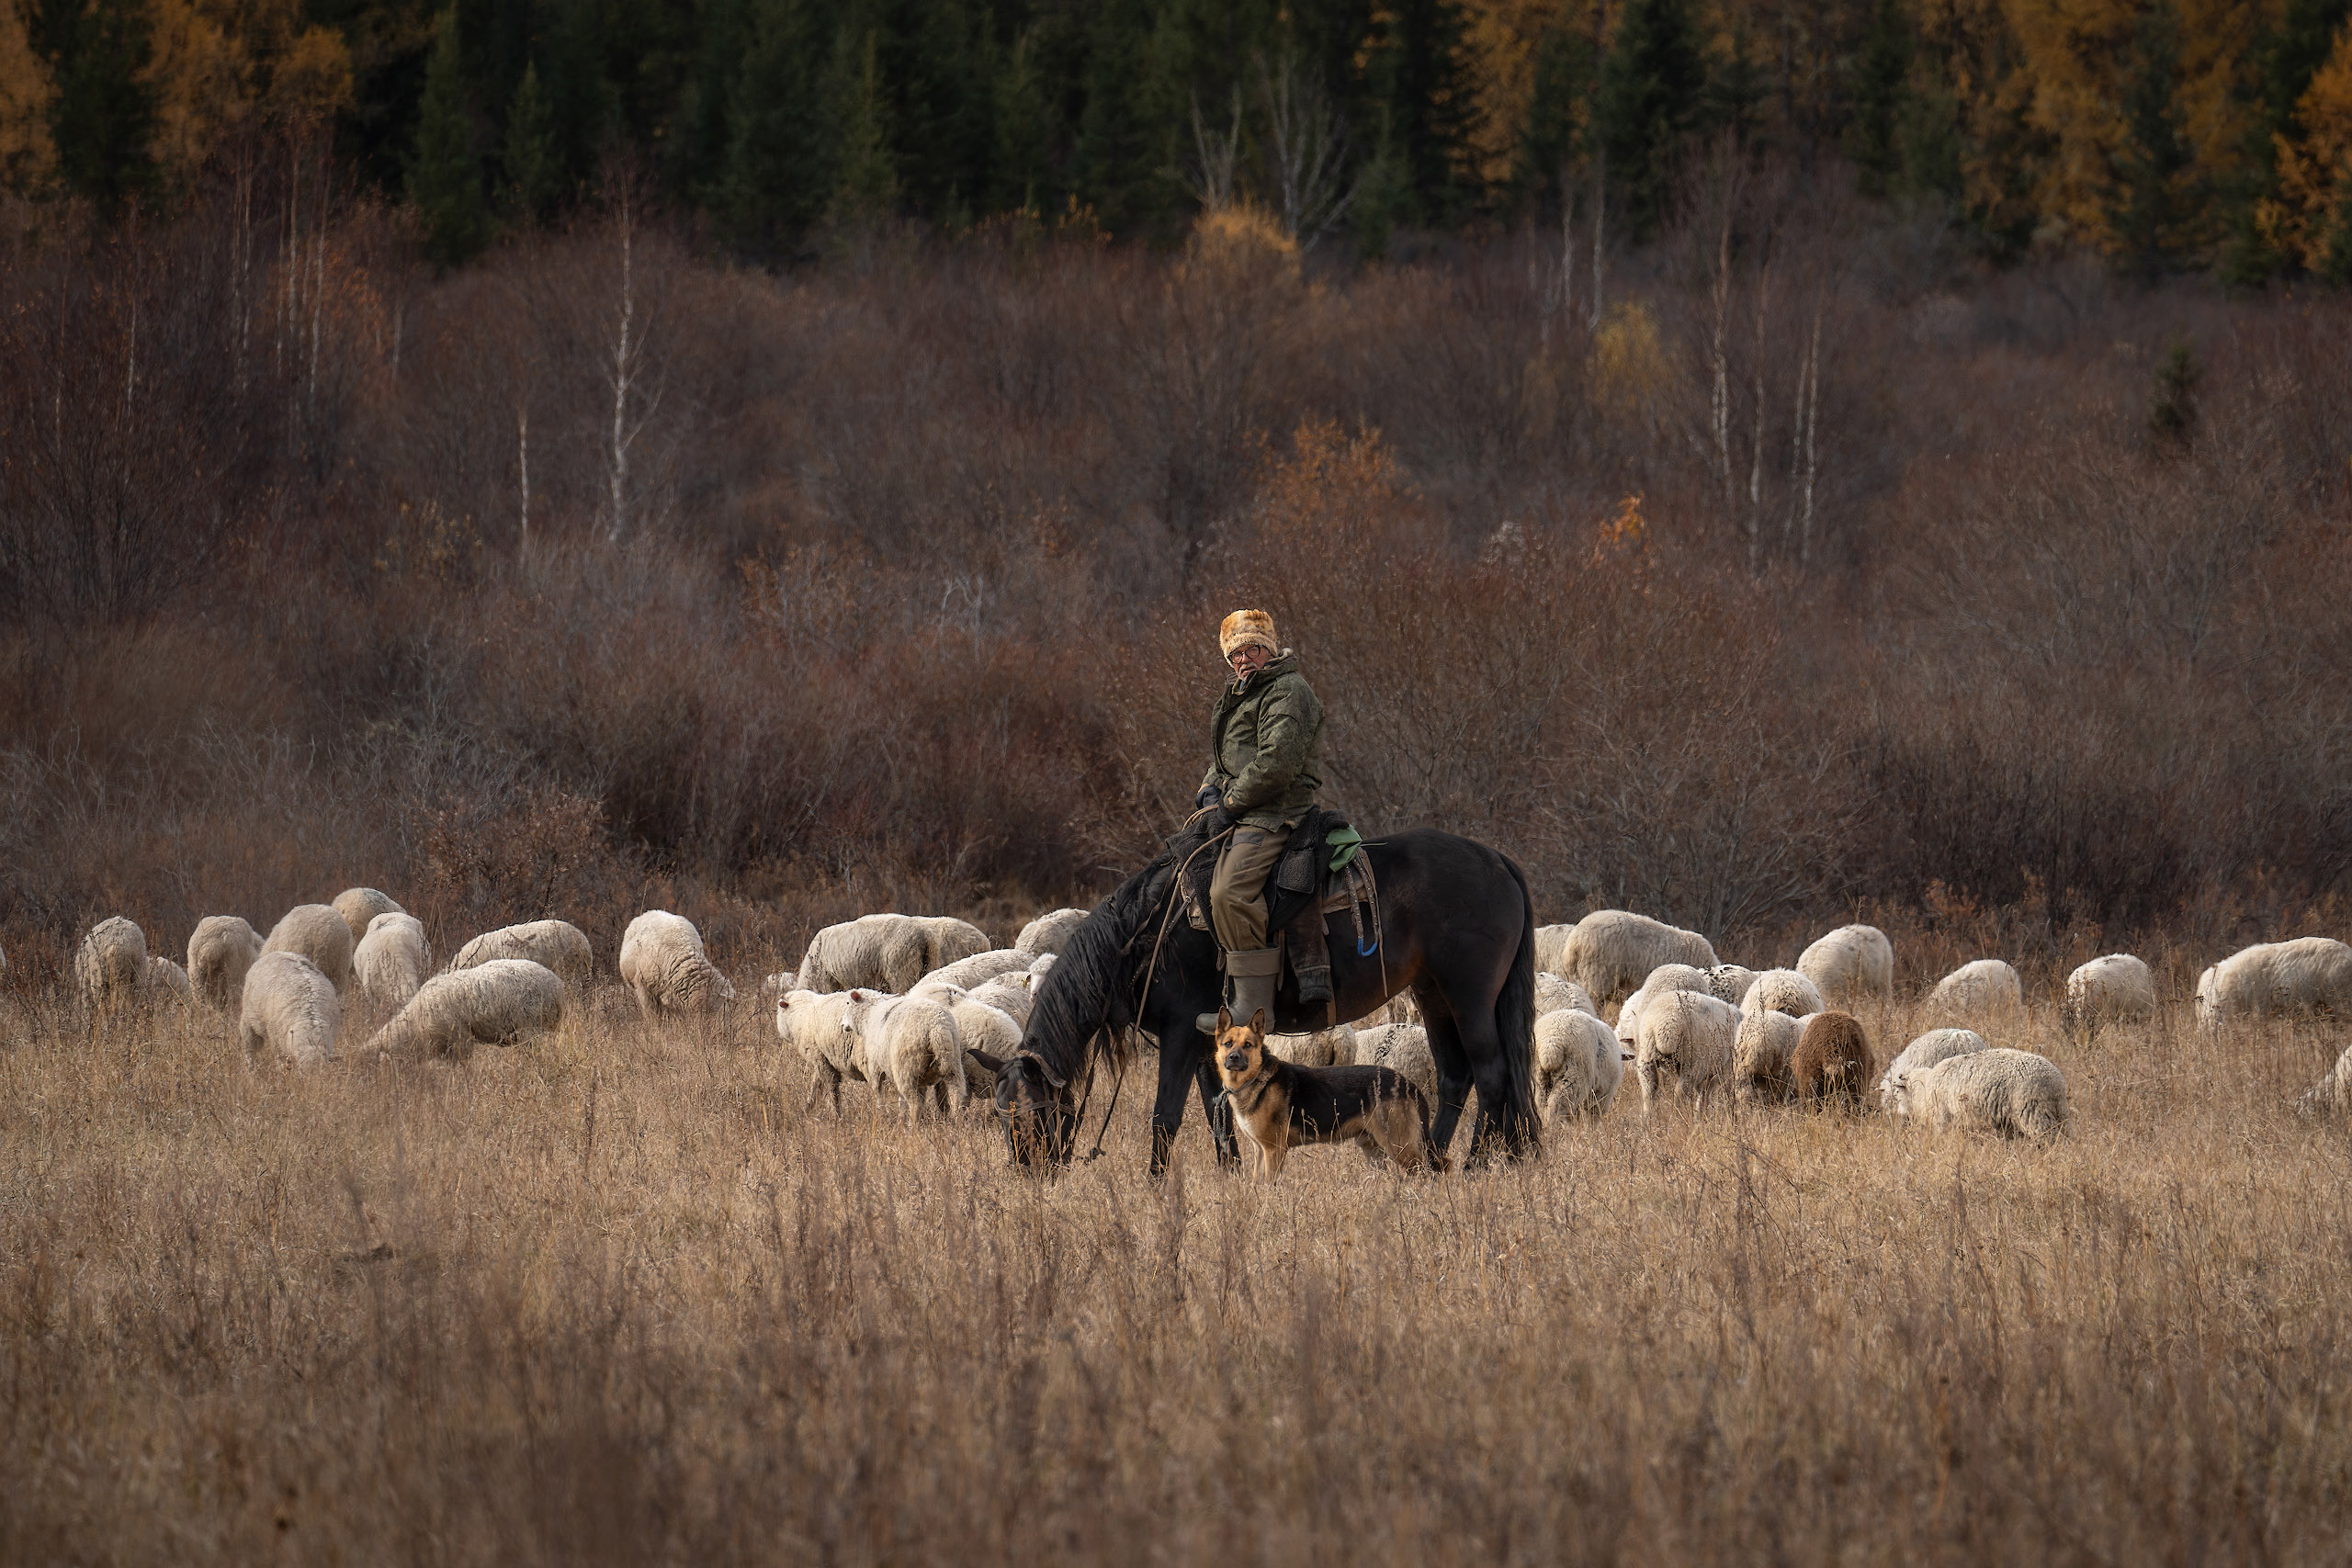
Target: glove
[1206,798]
[1220,819]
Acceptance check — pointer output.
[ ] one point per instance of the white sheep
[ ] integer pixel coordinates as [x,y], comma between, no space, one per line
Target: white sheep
[359,906]
[1783,991]
[811,1024]
[2310,974]
[886,952]
[166,981]
[1611,953]
[965,973]
[110,966]
[1579,1065]
[1046,960]
[1555,993]
[2117,988]
[557,945]
[1849,964]
[1049,933]
[2332,1094]
[1333,1048]
[910,1043]
[1683,1045]
[1551,945]
[1404,1047]
[1007,995]
[1729,982]
[2014,1093]
[1760,1054]
[220,951]
[1984,991]
[983,1028]
[392,960]
[663,963]
[502,1002]
[1935,1046]
[1665,978]
[319,934]
[773,987]
[289,1010]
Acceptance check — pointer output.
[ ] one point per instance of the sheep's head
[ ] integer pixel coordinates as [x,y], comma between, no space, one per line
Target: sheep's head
[1898,1092]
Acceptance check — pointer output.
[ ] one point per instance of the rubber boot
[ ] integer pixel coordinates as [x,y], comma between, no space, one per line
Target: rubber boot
[1251,975]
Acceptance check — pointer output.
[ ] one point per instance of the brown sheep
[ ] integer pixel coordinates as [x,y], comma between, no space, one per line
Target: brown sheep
[1832,1061]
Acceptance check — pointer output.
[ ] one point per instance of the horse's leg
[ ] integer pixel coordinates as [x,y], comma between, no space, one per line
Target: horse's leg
[1168,1107]
[1454,1080]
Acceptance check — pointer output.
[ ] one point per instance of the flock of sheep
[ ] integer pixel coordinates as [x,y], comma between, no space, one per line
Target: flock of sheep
[899,1002]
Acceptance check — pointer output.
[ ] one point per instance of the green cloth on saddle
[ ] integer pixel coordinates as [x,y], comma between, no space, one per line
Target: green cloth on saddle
[1345,843]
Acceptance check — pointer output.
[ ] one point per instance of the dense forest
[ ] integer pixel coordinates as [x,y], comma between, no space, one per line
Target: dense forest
[2164,134]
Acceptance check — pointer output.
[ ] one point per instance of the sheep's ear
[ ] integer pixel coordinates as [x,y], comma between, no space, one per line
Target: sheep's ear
[857,996]
[993,1063]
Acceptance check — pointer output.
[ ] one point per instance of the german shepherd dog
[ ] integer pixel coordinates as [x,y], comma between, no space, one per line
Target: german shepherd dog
[1277,1105]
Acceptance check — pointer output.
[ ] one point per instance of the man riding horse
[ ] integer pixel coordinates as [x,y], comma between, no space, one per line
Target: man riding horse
[1265,764]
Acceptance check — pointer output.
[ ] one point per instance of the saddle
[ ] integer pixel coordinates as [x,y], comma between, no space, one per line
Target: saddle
[1322,872]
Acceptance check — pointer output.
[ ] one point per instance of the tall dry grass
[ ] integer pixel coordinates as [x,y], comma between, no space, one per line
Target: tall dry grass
[616,1299]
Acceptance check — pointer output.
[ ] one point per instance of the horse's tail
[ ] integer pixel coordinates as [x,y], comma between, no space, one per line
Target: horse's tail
[1515,1024]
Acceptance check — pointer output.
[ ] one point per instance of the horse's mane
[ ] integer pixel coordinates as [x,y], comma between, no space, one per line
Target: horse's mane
[1089,993]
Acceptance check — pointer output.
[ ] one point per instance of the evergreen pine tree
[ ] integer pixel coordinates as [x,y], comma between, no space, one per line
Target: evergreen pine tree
[534,184]
[102,118]
[445,176]
[1023,131]
[1559,98]
[1651,93]
[1738,87]
[1118,166]
[2286,56]
[781,149]
[2336,264]
[1430,111]
[1927,138]
[698,150]
[1881,80]
[584,115]
[2148,211]
[866,189]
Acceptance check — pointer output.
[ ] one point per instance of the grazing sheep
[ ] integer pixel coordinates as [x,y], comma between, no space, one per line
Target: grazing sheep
[1334,1048]
[965,973]
[2014,1093]
[1402,1046]
[557,945]
[1683,1044]
[1008,996]
[1667,978]
[983,1028]
[1046,960]
[663,963]
[1851,963]
[502,1001]
[289,1008]
[319,934]
[1555,993]
[910,1043]
[811,1024]
[1760,1054]
[1783,991]
[359,906]
[1984,991]
[2117,988]
[1935,1046]
[1729,982]
[168,979]
[1579,1065]
[222,948]
[1398,1009]
[2311,974]
[2332,1094]
[1832,1061]
[1551,945]
[393,959]
[110,966]
[773,987]
[1611,953]
[886,952]
[1049,933]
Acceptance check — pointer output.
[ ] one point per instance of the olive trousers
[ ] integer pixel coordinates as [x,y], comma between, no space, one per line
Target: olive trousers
[1238,891]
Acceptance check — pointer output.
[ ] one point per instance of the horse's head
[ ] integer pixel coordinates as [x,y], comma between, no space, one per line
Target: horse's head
[1037,1111]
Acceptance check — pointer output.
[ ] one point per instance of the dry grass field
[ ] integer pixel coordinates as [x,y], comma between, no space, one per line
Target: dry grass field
[619,1299]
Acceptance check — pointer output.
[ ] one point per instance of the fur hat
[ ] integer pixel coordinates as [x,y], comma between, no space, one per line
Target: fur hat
[1244,628]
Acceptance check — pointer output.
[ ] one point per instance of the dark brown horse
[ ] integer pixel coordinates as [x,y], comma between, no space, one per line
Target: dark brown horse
[1458,930]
